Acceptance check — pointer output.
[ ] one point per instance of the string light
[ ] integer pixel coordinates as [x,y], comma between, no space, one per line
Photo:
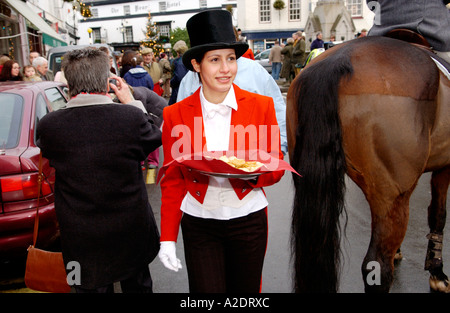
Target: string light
[84,10]
[152,36]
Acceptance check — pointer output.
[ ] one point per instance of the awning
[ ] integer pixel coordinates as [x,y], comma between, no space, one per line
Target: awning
[261,35]
[49,35]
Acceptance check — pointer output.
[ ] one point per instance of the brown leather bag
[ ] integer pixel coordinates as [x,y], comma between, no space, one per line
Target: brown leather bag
[45,270]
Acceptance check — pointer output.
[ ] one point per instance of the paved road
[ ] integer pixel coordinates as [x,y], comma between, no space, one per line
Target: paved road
[409,274]
[277,278]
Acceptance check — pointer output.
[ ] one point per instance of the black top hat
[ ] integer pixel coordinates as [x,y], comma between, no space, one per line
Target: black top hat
[211,30]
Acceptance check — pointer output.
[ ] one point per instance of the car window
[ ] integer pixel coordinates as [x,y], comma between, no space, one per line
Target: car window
[265,54]
[55,62]
[57,100]
[41,110]
[11,110]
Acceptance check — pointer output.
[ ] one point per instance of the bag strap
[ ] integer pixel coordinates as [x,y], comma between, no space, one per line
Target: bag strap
[36,219]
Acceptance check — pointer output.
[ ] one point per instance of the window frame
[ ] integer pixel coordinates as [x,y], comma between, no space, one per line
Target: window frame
[264,7]
[298,7]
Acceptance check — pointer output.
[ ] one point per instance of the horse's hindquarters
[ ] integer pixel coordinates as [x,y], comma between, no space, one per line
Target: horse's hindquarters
[385,139]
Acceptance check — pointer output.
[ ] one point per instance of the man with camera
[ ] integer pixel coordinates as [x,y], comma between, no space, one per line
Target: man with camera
[96,147]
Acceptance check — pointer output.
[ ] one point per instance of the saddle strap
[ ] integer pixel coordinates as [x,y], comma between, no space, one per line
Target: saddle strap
[409,36]
[36,219]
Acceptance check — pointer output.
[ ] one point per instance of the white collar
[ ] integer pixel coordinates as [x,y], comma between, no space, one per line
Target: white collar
[89,99]
[229,102]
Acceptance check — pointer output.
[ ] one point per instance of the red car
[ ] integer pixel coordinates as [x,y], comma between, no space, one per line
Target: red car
[22,105]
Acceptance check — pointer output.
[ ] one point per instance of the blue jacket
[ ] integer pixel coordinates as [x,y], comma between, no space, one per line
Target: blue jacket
[318,43]
[178,73]
[139,77]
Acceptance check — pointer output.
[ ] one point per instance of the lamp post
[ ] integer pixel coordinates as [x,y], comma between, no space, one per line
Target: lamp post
[123,30]
[89,30]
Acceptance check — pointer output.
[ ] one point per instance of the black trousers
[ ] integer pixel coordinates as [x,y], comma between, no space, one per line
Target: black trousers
[225,255]
[139,283]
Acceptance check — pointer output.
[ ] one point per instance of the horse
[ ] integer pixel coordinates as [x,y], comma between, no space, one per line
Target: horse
[378,110]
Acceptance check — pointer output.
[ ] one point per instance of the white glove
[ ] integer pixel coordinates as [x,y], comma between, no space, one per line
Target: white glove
[168,256]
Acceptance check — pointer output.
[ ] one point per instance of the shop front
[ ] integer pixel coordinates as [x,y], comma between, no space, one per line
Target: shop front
[22,31]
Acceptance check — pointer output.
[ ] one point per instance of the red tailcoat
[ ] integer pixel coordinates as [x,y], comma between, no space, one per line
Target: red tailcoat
[183,133]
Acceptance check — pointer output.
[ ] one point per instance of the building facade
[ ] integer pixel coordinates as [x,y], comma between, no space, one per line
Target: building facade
[36,25]
[262,24]
[123,24]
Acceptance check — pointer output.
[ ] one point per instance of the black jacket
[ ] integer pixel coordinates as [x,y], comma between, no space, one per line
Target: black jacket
[101,202]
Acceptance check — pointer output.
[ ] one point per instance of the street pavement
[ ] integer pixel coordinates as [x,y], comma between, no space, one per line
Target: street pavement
[409,276]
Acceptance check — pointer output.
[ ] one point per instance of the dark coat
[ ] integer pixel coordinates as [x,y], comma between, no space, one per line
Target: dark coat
[179,71]
[153,103]
[138,76]
[287,68]
[317,43]
[101,201]
[430,18]
[298,52]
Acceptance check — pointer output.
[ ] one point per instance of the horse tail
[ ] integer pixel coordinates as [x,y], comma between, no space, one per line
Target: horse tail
[319,157]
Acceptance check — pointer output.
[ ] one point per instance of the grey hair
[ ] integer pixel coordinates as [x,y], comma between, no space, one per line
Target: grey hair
[39,61]
[180,47]
[86,70]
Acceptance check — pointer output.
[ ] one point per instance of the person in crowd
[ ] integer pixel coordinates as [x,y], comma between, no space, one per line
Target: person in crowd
[298,52]
[224,221]
[29,74]
[60,77]
[318,42]
[96,147]
[287,69]
[178,70]
[240,36]
[275,59]
[111,59]
[118,56]
[430,18]
[3,59]
[41,66]
[153,68]
[33,55]
[137,75]
[363,33]
[11,71]
[126,64]
[111,64]
[166,70]
[249,54]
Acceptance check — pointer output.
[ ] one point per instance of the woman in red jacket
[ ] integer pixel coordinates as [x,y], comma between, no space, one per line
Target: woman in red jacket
[224,221]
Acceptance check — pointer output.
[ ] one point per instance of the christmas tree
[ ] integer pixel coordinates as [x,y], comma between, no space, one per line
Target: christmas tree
[153,39]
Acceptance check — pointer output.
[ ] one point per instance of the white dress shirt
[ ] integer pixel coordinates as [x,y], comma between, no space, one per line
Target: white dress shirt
[221,201]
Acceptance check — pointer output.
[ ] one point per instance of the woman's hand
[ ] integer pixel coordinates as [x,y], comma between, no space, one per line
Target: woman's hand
[168,256]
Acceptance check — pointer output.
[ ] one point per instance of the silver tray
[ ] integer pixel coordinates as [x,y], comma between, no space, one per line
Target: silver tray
[250,175]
